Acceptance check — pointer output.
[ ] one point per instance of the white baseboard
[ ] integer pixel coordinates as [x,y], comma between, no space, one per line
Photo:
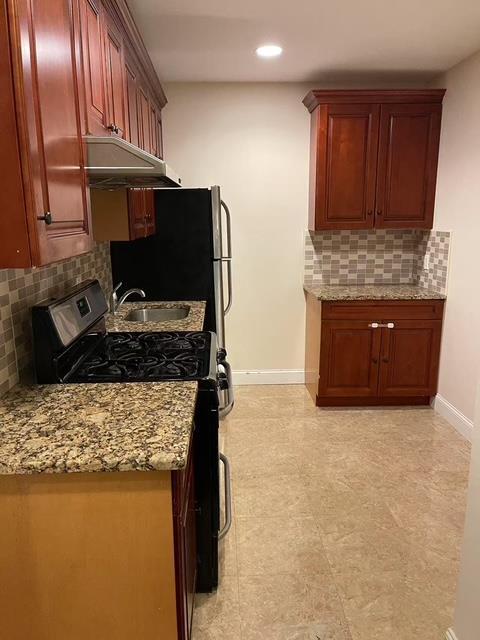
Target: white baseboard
[455,417]
[451,635]
[269,376]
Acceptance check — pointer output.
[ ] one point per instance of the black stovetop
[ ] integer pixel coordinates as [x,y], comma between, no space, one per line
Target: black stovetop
[153,356]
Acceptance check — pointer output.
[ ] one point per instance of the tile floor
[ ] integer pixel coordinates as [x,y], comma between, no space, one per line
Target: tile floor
[347,523]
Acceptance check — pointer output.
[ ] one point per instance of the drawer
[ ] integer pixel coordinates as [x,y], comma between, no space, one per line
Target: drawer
[383,310]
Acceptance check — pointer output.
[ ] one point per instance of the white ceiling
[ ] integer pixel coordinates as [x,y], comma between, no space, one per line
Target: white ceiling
[339,40]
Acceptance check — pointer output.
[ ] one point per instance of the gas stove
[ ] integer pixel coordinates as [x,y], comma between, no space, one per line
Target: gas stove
[152,356]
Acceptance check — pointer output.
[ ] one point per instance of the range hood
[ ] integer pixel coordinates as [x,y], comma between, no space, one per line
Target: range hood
[113,163]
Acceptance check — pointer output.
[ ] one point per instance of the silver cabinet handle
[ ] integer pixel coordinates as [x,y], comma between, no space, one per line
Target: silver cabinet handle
[228,497]
[379,325]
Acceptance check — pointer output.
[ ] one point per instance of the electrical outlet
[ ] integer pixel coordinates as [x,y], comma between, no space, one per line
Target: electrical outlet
[426,262]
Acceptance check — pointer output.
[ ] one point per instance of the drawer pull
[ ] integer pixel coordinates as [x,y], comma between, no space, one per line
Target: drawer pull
[379,325]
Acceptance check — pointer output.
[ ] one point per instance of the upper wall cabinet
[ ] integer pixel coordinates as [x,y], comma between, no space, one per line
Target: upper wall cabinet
[373,158]
[43,196]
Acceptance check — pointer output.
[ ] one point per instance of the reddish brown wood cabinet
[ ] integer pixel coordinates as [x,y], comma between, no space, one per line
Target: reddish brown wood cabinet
[373,353]
[91,29]
[373,158]
[43,199]
[124,214]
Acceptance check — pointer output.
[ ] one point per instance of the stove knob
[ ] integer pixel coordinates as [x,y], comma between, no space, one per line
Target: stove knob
[221,355]
[222,381]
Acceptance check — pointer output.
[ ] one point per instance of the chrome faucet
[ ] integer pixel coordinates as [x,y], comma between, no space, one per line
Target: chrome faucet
[116,303]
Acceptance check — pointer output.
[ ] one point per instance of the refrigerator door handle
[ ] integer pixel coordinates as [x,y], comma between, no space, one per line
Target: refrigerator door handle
[228,258]
[228,218]
[228,262]
[227,394]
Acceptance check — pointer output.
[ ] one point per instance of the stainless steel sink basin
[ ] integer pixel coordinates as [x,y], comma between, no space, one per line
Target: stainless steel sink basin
[155,314]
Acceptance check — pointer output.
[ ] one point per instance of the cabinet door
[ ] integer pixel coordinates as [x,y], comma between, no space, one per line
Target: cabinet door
[153,130]
[53,133]
[409,358]
[145,120]
[149,199]
[136,213]
[133,129]
[190,554]
[346,157]
[115,78]
[407,165]
[93,66]
[159,134]
[349,359]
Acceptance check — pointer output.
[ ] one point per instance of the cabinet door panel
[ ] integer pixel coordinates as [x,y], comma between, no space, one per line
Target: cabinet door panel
[136,212]
[54,133]
[407,165]
[349,355]
[145,120]
[346,166]
[93,66]
[115,78]
[132,106]
[159,135]
[409,358]
[149,198]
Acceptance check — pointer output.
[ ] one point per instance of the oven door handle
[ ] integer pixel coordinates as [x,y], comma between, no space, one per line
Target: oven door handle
[228,406]
[228,496]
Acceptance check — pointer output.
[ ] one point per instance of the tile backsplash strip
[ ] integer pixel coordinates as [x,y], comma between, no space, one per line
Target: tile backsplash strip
[436,246]
[22,288]
[360,257]
[377,257]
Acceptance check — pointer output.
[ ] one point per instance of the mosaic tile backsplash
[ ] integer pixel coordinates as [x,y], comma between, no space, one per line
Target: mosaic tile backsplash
[377,257]
[22,288]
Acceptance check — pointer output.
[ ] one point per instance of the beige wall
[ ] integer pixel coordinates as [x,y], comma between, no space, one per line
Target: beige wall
[458,209]
[467,612]
[252,140]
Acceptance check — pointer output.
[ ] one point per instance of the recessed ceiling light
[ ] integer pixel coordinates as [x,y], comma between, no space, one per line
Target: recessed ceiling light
[269,51]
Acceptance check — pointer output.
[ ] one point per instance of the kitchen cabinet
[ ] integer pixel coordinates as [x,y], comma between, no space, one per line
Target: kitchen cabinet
[184,521]
[43,199]
[131,85]
[126,541]
[91,29]
[123,214]
[115,78]
[372,353]
[145,120]
[373,158]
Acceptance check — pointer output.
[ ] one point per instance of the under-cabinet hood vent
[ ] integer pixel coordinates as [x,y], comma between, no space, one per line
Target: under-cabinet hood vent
[113,163]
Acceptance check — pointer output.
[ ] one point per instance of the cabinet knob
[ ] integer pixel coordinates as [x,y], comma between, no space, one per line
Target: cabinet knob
[370,213]
[375,360]
[113,127]
[385,360]
[379,213]
[47,217]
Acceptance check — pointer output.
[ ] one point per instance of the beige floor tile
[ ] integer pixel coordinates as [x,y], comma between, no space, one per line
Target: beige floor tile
[279,545]
[288,607]
[217,615]
[348,522]
[270,496]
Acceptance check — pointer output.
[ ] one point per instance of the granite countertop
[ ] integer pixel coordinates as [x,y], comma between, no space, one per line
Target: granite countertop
[193,322]
[371,292]
[96,427]
[137,426]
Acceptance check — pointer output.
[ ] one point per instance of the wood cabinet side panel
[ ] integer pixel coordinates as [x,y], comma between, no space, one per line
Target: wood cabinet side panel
[83,552]
[313,330]
[15,248]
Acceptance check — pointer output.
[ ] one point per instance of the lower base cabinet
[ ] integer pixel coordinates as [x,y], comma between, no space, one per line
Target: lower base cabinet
[373,353]
[97,556]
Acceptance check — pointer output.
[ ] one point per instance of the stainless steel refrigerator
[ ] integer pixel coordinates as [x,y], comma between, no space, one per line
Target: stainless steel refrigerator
[188,258]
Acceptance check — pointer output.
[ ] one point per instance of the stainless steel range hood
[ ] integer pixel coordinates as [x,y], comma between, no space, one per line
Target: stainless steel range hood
[113,163]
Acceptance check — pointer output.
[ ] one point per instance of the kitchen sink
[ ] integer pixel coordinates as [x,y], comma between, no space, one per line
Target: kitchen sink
[155,314]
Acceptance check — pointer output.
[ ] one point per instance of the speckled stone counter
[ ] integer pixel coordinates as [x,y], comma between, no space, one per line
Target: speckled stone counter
[371,292]
[96,427]
[193,322]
